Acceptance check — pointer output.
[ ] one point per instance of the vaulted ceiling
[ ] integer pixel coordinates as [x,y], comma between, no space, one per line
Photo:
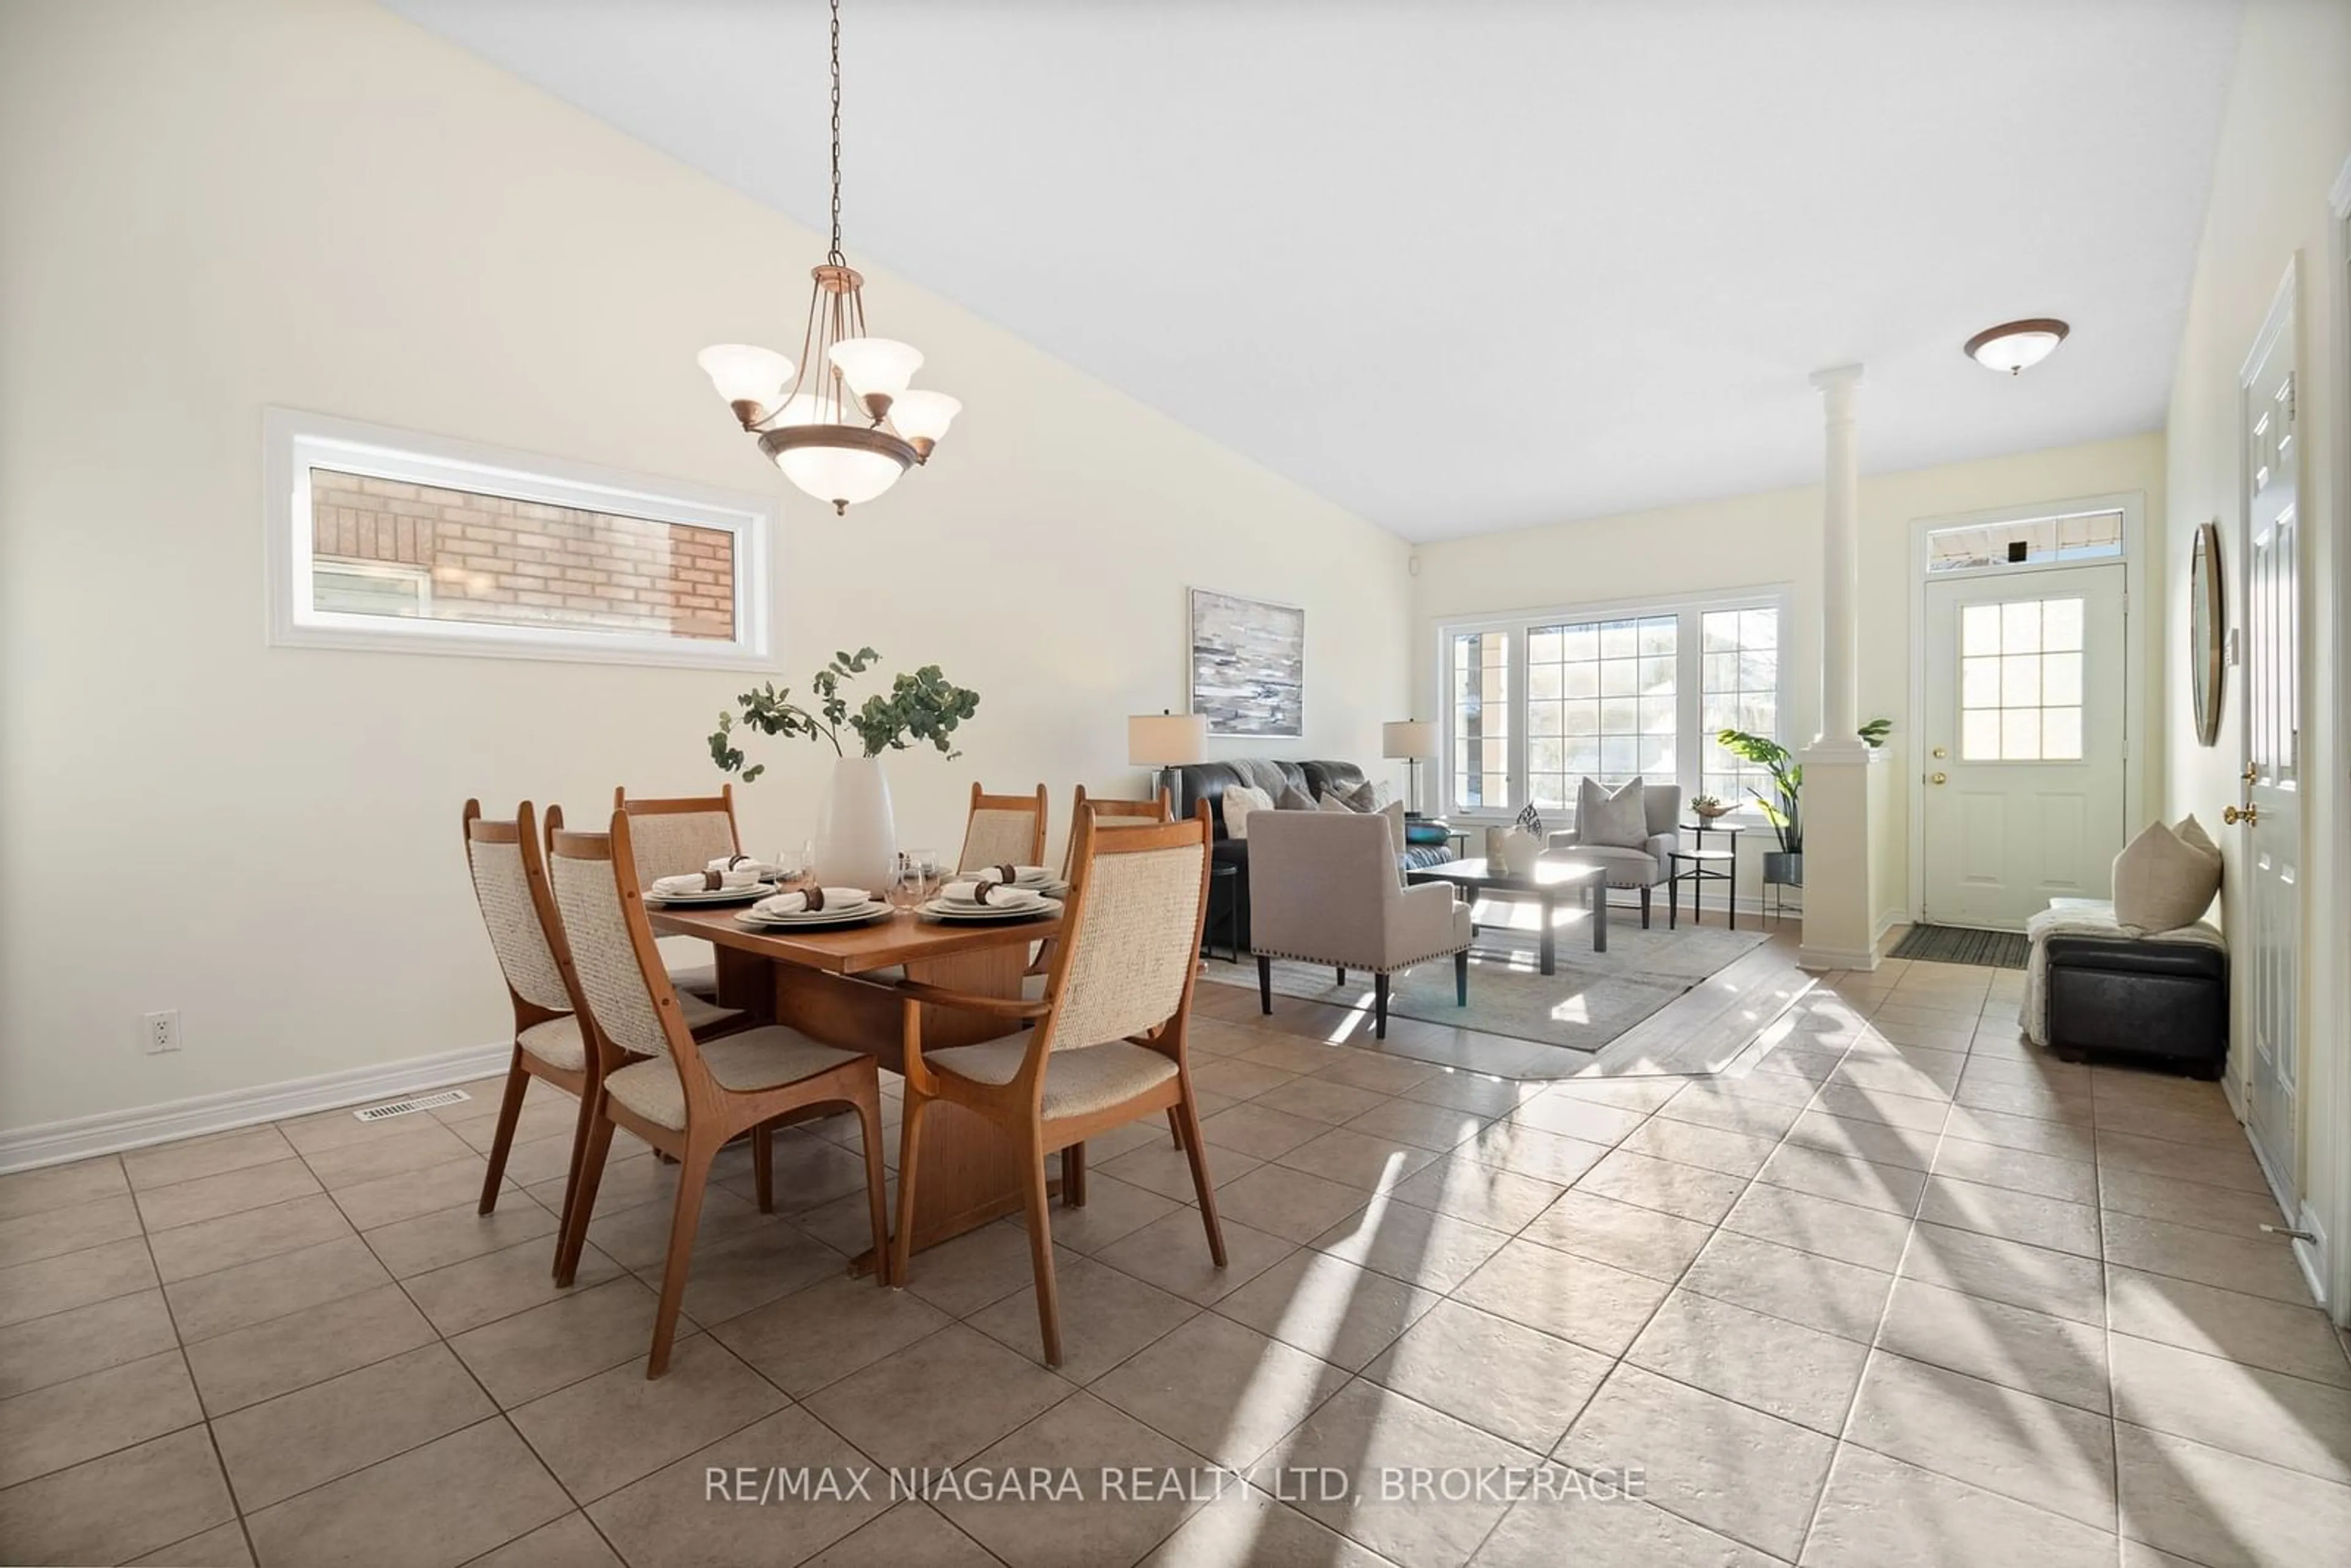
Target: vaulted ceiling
[1462,267]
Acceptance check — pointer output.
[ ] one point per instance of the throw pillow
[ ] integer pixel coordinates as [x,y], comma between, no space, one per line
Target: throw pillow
[1294,799]
[1240,799]
[2164,879]
[1618,820]
[1362,798]
[1330,802]
[1394,813]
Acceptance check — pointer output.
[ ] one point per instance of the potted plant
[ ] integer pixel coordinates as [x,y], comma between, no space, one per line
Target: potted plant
[1783,807]
[1708,807]
[857,840]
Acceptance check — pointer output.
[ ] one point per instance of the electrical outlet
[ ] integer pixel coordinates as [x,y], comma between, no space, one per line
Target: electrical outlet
[160,1032]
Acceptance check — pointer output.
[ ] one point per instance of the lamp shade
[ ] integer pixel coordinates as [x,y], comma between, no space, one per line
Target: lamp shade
[876,367]
[1166,739]
[1413,739]
[745,373]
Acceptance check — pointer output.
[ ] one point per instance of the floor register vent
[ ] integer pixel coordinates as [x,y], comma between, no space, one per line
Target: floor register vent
[414,1102]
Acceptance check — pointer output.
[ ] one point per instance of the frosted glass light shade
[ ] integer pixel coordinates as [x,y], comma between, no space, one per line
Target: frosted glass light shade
[2017,346]
[746,373]
[922,417]
[1413,739]
[1166,739]
[843,475]
[876,367]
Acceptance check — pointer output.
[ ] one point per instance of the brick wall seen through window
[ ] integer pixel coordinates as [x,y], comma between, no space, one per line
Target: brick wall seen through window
[495,560]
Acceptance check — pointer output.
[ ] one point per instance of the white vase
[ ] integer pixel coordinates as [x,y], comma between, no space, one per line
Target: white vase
[856,839]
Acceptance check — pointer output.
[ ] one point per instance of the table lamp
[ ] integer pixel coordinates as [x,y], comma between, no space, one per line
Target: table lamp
[1164,740]
[1413,740]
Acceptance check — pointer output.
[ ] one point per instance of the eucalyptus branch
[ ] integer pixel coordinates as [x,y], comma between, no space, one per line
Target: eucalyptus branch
[922,707]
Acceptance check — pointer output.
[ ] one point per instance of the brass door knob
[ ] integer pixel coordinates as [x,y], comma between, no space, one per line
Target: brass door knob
[2232,816]
[2252,772]
[1941,752]
[1937,778]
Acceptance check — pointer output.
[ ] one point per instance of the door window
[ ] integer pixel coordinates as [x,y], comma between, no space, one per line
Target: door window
[2020,681]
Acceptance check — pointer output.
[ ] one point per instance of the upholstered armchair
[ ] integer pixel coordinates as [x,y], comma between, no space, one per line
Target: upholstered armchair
[1323,889]
[1645,867]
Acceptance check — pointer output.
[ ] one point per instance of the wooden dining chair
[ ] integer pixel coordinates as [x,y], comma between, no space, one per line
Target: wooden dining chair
[1107,1045]
[1003,830]
[1106,811]
[509,872]
[685,1097]
[680,835]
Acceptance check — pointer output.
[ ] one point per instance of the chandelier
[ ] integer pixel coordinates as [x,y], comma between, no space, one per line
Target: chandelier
[848,423]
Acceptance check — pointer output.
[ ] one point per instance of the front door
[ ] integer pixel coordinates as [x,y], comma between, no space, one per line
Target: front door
[2024,739]
[2267,958]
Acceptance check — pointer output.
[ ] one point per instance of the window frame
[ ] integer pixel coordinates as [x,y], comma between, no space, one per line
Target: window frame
[1688,608]
[295,442]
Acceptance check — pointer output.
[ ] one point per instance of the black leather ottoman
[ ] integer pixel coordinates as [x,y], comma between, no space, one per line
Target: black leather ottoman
[2163,999]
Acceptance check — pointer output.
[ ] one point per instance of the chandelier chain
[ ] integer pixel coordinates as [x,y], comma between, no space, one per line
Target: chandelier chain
[835,255]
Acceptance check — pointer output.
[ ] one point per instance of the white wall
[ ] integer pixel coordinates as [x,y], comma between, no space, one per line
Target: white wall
[208,209]
[1772,538]
[2284,142]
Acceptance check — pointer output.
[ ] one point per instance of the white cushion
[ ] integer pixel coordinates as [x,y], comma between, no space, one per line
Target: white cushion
[1240,799]
[1330,802]
[1625,868]
[558,1042]
[754,1059]
[1619,818]
[2165,878]
[1077,1082]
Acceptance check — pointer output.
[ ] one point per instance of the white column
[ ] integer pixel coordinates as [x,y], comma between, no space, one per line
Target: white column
[1840,572]
[1844,788]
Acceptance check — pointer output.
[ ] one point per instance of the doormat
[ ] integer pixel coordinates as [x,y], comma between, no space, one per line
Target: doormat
[1959,945]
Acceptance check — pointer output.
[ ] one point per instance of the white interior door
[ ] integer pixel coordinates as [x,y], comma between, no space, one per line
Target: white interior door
[2024,736]
[2267,958]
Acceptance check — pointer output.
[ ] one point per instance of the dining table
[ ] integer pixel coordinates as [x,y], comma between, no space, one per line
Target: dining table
[840,987]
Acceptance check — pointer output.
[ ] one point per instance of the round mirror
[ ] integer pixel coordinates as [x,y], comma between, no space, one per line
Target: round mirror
[2207,619]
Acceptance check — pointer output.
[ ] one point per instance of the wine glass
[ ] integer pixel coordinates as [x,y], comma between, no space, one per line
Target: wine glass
[906,886]
[796,867]
[926,864]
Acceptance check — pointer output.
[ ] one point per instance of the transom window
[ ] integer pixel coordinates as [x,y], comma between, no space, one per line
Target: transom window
[1540,703]
[2020,681]
[386,539]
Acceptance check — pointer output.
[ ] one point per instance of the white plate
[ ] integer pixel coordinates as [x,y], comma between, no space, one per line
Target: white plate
[820,917]
[939,909]
[757,890]
[969,906]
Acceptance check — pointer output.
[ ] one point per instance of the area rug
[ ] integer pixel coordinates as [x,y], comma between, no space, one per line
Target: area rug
[1959,945]
[1592,998]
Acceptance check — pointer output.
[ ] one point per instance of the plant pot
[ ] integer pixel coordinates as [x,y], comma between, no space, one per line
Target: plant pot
[856,836]
[1779,866]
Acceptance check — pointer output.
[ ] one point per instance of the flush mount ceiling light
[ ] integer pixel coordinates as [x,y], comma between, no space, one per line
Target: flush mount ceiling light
[848,425]
[2017,346]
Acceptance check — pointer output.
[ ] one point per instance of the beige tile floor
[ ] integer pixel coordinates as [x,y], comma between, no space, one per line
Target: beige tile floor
[1900,1290]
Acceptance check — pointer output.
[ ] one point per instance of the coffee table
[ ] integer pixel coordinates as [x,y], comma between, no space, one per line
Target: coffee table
[1545,885]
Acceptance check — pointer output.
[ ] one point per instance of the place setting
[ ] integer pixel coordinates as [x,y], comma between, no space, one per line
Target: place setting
[728,880]
[814,907]
[994,894]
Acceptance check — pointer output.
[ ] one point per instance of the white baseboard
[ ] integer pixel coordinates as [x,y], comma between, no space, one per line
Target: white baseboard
[2316,1260]
[1811,957]
[56,1143]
